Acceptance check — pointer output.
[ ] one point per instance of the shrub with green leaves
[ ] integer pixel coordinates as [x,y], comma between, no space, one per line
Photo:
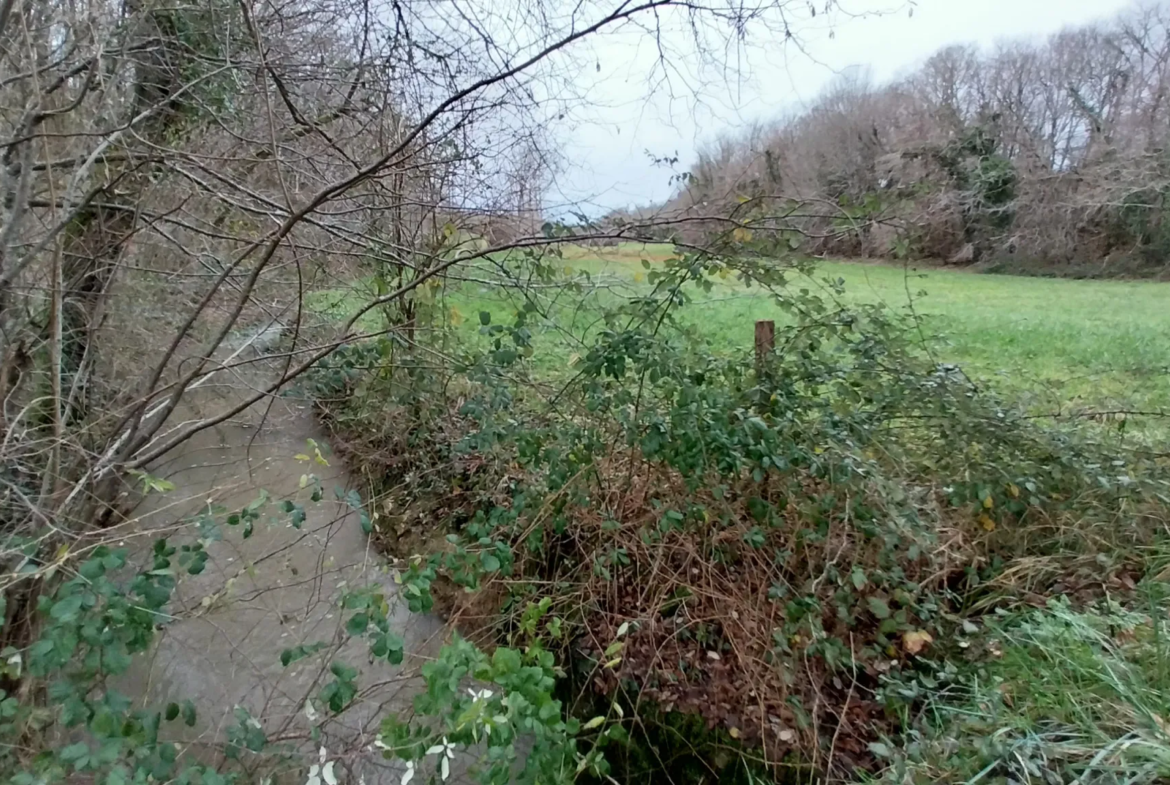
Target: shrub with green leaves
[773,534]
[66,718]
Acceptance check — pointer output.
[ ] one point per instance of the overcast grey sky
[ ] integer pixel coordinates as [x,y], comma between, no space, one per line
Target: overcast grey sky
[606,146]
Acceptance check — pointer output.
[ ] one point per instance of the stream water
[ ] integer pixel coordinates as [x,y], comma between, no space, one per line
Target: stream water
[275,590]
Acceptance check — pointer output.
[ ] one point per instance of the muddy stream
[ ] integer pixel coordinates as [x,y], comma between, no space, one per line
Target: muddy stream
[275,590]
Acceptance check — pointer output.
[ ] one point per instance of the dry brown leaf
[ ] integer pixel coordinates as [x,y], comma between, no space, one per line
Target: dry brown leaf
[915,642]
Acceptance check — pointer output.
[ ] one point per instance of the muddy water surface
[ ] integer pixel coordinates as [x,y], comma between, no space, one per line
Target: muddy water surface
[275,590]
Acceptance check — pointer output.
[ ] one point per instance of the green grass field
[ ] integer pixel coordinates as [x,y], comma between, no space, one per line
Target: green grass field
[1059,345]
[1094,344]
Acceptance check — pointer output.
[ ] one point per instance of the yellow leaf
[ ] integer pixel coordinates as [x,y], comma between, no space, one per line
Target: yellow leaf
[734,733]
[613,663]
[988,502]
[300,456]
[915,642]
[638,278]
[724,273]
[1014,490]
[593,723]
[987,522]
[456,316]
[741,235]
[568,270]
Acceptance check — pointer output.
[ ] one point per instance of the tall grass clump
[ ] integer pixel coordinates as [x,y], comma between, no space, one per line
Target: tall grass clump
[1061,695]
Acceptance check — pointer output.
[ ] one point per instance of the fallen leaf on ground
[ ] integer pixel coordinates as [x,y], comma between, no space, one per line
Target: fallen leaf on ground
[915,642]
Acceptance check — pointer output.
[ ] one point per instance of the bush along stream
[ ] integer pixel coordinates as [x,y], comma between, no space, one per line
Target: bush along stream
[811,564]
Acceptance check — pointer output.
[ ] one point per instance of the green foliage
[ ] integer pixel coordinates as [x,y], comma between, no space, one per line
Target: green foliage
[761,530]
[1050,345]
[91,626]
[204,39]
[516,708]
[92,623]
[372,620]
[1141,220]
[986,179]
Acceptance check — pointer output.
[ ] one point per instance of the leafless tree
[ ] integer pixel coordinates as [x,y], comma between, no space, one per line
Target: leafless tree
[175,173]
[1080,119]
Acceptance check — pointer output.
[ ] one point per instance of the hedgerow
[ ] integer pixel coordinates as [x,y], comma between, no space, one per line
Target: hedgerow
[761,542]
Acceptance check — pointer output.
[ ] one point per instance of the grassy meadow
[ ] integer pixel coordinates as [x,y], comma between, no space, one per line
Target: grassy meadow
[1060,345]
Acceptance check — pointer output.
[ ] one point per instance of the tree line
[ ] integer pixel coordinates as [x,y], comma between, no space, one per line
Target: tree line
[1044,154]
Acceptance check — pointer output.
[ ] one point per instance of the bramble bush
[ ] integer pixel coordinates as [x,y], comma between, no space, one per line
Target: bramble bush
[773,539]
[791,558]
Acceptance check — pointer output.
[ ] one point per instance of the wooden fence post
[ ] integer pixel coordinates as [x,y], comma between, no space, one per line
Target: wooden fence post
[765,345]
